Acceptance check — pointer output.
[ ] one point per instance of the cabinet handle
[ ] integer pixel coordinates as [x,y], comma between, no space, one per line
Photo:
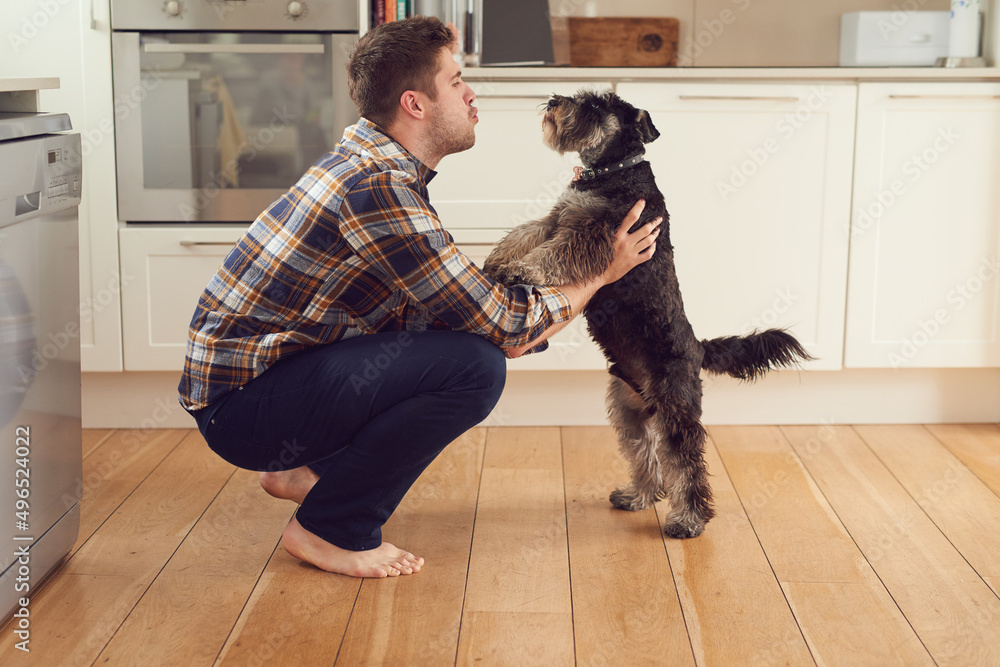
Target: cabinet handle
[191,244]
[153,47]
[741,98]
[944,97]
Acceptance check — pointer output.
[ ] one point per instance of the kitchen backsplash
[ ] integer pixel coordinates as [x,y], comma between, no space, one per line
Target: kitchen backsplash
[749,33]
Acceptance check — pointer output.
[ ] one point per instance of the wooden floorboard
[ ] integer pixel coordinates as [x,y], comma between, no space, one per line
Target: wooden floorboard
[945,601]
[625,605]
[517,600]
[833,545]
[843,610]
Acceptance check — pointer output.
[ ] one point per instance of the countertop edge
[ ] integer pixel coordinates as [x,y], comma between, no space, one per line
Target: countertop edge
[852,74]
[27,84]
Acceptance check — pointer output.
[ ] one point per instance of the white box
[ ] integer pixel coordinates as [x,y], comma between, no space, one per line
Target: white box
[893,39]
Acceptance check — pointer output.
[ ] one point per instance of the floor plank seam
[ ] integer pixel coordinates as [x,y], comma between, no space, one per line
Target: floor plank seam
[756,535]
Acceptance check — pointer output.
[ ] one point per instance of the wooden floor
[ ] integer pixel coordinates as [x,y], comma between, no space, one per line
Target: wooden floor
[833,545]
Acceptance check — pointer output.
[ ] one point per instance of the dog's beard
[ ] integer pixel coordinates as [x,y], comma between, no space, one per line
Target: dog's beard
[561,133]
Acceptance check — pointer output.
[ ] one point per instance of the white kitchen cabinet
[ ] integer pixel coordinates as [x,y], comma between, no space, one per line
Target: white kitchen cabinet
[72,41]
[168,267]
[925,232]
[757,181]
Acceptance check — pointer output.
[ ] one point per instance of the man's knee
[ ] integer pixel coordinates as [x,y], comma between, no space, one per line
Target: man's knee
[490,366]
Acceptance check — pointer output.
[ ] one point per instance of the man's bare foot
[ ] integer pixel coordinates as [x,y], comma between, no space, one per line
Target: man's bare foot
[289,484]
[384,561]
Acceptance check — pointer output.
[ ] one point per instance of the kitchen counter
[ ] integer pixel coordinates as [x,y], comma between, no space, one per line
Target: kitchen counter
[914,74]
[26,83]
[22,94]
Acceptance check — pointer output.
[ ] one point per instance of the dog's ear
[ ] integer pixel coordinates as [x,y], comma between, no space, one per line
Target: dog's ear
[647,132]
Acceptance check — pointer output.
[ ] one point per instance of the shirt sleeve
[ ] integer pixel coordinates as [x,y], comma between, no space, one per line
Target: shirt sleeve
[390,225]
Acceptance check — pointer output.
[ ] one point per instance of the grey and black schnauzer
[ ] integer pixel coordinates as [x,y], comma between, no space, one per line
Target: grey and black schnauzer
[654,399]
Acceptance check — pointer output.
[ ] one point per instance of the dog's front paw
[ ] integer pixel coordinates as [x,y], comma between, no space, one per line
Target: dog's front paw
[627,499]
[519,273]
[683,527]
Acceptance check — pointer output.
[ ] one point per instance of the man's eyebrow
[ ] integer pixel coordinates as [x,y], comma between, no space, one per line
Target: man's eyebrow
[457,75]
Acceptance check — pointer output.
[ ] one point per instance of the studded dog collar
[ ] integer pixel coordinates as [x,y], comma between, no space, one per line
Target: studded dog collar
[584,174]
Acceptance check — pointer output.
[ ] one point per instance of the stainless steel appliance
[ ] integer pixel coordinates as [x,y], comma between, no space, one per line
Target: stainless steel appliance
[221,106]
[40,472]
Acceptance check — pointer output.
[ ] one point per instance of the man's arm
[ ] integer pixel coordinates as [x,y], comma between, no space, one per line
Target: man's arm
[630,251]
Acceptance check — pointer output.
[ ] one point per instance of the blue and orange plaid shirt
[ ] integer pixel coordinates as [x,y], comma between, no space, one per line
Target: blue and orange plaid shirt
[353,248]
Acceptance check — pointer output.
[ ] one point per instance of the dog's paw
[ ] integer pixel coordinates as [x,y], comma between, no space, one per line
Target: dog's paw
[683,528]
[626,499]
[519,273]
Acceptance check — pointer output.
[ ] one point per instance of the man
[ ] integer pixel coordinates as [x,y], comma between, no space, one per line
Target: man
[345,341]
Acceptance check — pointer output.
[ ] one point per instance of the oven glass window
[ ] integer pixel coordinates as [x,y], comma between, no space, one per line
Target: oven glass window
[228,110]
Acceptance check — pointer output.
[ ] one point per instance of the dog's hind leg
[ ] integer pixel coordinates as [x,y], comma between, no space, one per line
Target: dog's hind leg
[638,444]
[685,476]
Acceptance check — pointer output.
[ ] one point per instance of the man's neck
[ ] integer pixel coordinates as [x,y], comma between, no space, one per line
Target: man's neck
[415,143]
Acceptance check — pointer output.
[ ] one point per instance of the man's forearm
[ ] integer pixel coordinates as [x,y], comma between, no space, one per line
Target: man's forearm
[578,295]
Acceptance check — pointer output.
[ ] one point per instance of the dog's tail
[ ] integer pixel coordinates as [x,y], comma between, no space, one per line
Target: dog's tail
[749,357]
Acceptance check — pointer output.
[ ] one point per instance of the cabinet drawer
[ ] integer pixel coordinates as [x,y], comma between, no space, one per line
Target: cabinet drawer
[170,268]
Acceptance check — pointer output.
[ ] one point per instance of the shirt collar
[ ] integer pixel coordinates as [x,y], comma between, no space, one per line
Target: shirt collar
[369,140]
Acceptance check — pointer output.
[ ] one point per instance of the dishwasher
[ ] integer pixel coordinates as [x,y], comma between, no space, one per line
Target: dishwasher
[41,478]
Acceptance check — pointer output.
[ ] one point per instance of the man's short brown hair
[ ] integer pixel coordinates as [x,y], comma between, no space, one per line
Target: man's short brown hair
[392,58]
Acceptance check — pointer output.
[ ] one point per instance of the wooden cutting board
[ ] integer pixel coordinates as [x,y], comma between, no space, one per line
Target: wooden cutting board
[623,42]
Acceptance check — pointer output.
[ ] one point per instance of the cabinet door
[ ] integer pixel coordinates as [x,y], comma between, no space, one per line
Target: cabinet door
[757,180]
[509,176]
[168,269]
[925,234]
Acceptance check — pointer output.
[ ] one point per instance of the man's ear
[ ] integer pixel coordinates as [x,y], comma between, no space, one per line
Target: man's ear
[647,132]
[413,104]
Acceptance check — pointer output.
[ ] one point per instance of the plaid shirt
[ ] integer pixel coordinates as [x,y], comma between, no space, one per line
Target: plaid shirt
[353,248]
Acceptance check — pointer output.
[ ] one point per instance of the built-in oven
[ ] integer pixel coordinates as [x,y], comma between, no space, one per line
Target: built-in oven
[220,106]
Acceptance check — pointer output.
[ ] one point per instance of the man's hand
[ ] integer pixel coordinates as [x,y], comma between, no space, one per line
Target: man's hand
[633,249]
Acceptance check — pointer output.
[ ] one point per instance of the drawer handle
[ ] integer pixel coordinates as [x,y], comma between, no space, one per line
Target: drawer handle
[156,47]
[190,244]
[944,97]
[741,98]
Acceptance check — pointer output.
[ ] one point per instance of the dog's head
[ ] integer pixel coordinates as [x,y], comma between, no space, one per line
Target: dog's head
[596,125]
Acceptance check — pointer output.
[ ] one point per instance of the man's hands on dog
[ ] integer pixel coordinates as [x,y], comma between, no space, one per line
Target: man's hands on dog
[633,249]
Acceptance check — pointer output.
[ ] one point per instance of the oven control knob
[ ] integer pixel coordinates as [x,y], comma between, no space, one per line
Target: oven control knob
[173,7]
[296,9]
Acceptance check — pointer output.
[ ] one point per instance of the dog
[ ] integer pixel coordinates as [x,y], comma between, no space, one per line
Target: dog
[655,391]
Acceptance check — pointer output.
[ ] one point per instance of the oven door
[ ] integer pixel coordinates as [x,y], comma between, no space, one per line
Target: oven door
[213,127]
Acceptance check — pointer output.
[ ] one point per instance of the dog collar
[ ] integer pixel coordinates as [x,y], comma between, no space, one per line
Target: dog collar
[585,174]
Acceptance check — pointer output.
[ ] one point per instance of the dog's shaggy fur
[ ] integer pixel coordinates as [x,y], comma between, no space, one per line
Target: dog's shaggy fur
[654,399]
